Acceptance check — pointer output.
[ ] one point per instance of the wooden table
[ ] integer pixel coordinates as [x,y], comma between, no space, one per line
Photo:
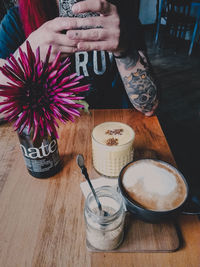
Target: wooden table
[41,221]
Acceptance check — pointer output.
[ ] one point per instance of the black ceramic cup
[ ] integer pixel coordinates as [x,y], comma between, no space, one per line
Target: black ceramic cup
[150,215]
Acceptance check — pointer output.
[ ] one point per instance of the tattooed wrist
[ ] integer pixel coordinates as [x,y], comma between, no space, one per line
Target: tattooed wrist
[130,60]
[141,90]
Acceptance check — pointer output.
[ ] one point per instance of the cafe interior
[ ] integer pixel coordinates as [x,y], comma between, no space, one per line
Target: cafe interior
[49,228]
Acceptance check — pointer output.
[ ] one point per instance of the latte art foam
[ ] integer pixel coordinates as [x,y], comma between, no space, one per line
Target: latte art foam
[154,185]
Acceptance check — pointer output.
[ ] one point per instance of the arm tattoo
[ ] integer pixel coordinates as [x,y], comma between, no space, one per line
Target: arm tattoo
[140,87]
[137,76]
[130,61]
[141,90]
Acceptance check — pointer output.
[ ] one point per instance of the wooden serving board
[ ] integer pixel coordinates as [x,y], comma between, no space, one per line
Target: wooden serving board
[146,237]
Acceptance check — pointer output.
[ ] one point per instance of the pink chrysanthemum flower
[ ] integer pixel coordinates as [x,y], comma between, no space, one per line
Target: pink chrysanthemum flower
[39,93]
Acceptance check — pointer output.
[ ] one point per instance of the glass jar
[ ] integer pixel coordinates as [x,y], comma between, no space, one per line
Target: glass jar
[104,232]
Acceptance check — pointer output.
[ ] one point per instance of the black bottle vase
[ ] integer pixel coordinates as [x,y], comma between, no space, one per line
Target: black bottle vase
[41,155]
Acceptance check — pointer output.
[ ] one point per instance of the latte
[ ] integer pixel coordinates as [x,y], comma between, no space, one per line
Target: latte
[154,185]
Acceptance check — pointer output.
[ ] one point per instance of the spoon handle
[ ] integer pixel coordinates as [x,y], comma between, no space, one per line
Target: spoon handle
[85,173]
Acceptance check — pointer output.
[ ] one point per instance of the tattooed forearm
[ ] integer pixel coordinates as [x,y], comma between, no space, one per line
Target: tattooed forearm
[141,90]
[129,61]
[139,84]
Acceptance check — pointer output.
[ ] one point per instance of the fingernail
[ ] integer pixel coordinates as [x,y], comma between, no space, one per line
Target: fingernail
[79,46]
[82,47]
[75,9]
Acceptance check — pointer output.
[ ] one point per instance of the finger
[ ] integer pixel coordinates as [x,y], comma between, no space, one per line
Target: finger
[100,45]
[66,50]
[99,6]
[60,24]
[84,23]
[89,35]
[63,40]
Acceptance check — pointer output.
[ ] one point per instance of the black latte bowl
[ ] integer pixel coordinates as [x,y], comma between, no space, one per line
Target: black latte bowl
[147,214]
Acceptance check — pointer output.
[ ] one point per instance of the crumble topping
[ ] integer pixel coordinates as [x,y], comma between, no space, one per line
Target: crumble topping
[112,142]
[115,132]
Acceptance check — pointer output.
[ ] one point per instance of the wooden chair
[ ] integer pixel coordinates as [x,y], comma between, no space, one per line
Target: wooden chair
[177,15]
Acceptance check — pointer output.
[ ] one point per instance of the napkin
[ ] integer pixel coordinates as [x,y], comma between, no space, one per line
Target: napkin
[98,182]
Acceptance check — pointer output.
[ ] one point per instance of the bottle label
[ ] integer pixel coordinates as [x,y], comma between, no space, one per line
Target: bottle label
[41,152]
[43,158]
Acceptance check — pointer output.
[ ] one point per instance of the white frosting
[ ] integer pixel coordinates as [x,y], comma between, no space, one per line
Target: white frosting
[155,180]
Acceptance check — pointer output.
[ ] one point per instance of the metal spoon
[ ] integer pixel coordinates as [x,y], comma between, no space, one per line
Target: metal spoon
[80,162]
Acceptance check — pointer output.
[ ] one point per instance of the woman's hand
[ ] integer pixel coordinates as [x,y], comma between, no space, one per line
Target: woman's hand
[50,33]
[104,32]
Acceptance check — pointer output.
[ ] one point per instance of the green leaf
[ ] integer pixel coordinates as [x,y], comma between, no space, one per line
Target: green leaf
[85,104]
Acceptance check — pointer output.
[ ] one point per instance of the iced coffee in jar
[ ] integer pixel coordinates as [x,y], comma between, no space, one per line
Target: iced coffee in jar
[112,147]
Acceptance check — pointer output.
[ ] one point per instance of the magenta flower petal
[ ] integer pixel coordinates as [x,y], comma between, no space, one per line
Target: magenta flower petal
[37,59]
[46,62]
[55,62]
[39,92]
[80,89]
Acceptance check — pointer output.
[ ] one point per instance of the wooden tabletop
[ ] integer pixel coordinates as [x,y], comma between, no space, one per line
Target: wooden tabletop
[41,221]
